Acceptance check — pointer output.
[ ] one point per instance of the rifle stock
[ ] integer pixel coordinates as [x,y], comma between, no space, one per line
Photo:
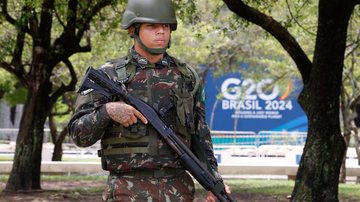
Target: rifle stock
[100,83]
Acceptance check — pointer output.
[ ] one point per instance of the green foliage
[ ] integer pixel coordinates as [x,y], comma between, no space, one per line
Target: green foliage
[208,34]
[187,10]
[219,39]
[14,93]
[224,41]
[263,5]
[6,41]
[63,111]
[16,96]
[6,81]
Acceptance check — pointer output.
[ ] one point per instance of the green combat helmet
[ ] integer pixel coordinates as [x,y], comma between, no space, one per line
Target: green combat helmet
[149,11]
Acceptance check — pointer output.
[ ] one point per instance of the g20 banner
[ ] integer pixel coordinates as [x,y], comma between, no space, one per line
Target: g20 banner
[234,103]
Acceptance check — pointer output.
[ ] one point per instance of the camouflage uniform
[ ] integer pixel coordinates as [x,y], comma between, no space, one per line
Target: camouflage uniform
[142,166]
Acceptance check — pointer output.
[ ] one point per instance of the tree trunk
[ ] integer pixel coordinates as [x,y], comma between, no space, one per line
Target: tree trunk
[58,151]
[25,173]
[26,170]
[32,25]
[318,175]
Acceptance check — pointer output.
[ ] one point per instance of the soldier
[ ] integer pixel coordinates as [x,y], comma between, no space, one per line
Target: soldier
[142,167]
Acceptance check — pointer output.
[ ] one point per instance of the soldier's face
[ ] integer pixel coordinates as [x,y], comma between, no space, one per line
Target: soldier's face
[155,35]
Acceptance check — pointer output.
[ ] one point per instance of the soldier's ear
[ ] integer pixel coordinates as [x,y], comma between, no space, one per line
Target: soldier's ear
[131,31]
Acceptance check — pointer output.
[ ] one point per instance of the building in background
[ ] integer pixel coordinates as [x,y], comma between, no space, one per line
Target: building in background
[10,116]
[9,120]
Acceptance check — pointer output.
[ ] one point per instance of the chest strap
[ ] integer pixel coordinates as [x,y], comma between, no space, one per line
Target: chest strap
[121,145]
[121,140]
[125,150]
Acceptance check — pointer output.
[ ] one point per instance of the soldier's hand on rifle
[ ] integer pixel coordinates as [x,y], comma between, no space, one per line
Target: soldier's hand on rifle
[124,114]
[212,198]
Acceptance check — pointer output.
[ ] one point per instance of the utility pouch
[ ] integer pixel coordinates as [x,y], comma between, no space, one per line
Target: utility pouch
[103,160]
[135,131]
[185,109]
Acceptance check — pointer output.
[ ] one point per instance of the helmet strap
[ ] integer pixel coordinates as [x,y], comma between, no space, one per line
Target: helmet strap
[152,51]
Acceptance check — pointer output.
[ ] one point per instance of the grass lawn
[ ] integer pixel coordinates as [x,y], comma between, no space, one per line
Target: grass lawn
[274,189]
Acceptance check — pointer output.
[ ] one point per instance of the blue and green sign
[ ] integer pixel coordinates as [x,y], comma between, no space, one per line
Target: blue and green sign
[234,103]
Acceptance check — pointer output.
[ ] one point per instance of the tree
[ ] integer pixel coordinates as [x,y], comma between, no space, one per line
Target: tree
[34,49]
[59,116]
[36,38]
[350,93]
[318,175]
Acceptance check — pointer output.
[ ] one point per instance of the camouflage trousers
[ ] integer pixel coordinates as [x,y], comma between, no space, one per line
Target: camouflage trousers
[122,187]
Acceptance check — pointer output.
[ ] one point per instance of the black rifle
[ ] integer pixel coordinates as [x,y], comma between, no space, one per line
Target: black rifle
[100,83]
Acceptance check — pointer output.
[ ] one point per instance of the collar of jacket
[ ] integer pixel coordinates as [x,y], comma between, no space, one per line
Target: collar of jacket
[143,62]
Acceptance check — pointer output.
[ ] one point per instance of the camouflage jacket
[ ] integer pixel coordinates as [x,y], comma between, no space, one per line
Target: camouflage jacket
[91,122]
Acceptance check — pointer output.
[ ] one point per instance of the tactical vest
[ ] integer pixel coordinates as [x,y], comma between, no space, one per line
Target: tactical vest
[170,91]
